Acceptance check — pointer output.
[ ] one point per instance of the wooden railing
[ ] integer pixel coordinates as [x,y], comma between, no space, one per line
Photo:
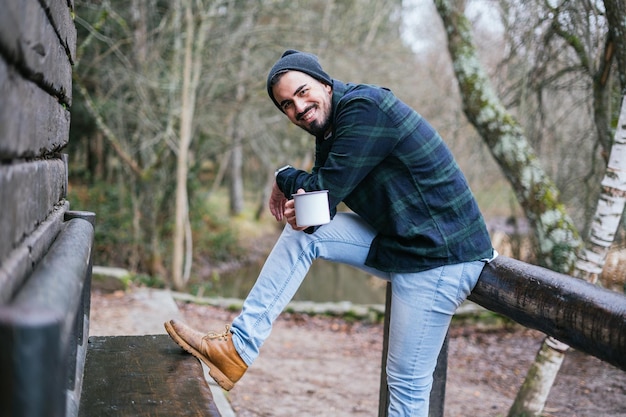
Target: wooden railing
[586,317]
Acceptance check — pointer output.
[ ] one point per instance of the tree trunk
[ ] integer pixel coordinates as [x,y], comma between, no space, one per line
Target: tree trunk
[194,48]
[108,134]
[541,374]
[609,209]
[615,12]
[236,155]
[558,238]
[236,175]
[531,398]
[186,118]
[140,30]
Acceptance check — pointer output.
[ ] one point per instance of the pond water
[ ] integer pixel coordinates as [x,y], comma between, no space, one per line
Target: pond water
[325,282]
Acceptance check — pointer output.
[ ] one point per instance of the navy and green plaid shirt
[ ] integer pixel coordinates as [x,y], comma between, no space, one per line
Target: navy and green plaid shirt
[388,165]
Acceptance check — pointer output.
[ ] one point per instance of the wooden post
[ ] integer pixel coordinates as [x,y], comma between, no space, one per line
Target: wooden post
[440,376]
[383,401]
[438,391]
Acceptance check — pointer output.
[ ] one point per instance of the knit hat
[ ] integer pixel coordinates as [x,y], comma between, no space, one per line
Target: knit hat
[293,60]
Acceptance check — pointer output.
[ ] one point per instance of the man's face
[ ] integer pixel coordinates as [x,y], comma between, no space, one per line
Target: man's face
[306,101]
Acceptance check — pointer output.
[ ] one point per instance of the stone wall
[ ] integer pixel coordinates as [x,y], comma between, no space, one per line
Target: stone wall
[37,50]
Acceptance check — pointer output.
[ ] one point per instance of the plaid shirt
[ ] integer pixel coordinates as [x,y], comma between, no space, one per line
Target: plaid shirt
[388,165]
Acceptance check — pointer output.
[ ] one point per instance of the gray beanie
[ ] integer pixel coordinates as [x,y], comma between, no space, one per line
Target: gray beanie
[293,60]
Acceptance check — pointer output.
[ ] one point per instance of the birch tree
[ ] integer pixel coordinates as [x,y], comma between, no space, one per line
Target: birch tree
[534,392]
[532,396]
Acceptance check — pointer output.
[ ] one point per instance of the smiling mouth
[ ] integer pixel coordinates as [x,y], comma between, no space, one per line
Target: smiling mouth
[306,115]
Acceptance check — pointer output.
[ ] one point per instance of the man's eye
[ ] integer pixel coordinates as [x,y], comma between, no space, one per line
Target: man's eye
[287,105]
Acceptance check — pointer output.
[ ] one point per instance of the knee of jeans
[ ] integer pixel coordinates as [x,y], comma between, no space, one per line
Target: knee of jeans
[301,237]
[307,245]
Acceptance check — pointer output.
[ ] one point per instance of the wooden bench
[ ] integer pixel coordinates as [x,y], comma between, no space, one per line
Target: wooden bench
[143,376]
[44,325]
[48,365]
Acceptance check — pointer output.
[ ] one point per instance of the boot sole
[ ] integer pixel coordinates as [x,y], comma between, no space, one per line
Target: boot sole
[219,377]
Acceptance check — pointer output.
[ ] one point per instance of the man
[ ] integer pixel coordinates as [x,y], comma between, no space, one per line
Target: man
[414,222]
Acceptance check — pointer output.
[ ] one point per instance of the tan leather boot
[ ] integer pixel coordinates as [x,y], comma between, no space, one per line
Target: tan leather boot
[216,350]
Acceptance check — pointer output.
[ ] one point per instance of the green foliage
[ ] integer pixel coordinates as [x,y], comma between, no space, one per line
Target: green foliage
[485,320]
[215,237]
[205,287]
[113,237]
[148,281]
[215,240]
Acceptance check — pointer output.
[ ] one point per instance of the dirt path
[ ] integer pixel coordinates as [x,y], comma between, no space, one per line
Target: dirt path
[315,366]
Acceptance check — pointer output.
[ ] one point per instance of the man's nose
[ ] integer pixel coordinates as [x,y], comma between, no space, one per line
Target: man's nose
[299,105]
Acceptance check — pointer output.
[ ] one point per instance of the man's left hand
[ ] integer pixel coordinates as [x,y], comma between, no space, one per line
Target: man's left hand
[290,213]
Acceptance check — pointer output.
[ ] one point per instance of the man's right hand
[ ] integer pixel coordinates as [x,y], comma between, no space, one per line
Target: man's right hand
[277,203]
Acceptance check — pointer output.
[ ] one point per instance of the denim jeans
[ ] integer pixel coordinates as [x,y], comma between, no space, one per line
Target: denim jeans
[421,308]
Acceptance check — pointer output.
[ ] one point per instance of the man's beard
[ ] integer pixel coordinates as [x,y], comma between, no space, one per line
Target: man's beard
[317,127]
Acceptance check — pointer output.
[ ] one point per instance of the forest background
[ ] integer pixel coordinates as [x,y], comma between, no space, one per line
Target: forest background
[174,140]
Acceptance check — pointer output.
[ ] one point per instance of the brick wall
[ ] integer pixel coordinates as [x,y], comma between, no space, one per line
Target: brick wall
[37,49]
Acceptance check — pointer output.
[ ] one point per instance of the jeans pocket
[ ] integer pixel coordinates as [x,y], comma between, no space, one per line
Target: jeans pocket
[468,279]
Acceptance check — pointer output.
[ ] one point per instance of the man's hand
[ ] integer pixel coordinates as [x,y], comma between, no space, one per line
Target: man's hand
[277,203]
[290,213]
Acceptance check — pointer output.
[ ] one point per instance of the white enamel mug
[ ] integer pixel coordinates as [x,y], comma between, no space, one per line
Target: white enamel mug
[312,208]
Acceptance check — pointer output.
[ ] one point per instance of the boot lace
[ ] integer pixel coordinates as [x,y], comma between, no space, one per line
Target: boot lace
[219,336]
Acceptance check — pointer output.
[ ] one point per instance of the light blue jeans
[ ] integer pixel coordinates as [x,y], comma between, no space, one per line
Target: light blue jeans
[421,308]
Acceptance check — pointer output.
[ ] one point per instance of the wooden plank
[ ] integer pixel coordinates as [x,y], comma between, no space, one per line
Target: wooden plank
[60,13]
[28,41]
[20,262]
[29,192]
[138,376]
[32,122]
